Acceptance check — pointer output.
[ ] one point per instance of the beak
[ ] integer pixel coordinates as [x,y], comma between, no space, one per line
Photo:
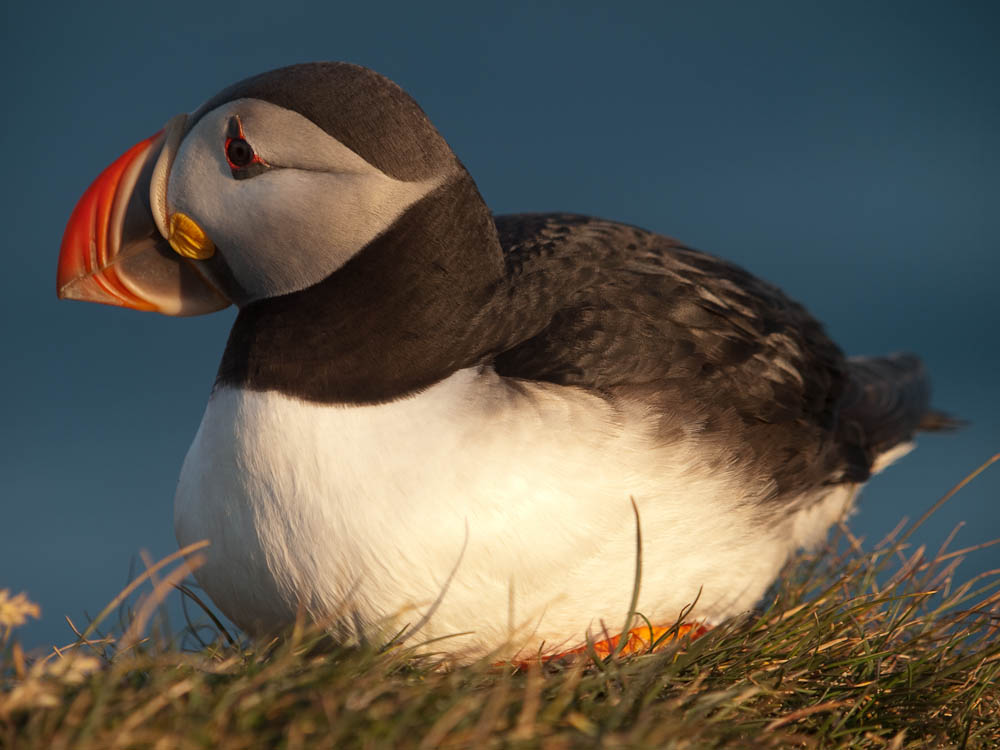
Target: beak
[113,251]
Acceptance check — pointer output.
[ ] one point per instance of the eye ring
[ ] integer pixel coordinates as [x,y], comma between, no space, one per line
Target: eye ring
[239,153]
[244,162]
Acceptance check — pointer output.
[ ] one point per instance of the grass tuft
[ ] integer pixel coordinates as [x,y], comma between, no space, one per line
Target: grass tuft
[878,648]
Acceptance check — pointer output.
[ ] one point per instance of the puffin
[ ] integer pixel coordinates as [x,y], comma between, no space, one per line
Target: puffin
[436,426]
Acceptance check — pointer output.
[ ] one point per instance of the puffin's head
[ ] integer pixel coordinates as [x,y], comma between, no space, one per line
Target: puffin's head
[266,189]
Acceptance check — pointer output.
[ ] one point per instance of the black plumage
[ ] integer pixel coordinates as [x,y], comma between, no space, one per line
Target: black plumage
[720,356]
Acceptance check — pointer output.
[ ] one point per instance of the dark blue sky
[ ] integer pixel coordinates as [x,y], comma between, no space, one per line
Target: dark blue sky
[847,151]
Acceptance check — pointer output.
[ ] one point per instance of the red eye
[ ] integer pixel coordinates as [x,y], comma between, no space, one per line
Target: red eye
[239,153]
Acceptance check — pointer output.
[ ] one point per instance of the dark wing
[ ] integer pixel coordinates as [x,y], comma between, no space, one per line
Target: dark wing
[718,351]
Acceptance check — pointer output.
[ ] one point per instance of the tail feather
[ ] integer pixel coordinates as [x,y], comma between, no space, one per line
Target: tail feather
[939,421]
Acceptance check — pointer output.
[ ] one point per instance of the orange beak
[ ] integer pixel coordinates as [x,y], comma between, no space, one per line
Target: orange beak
[113,253]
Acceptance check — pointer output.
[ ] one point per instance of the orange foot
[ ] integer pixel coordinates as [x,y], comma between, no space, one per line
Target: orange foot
[638,641]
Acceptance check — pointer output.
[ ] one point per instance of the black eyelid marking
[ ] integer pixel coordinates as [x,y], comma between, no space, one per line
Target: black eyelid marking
[234,131]
[250,170]
[234,128]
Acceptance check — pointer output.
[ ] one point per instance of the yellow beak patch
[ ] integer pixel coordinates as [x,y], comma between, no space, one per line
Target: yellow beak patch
[189,239]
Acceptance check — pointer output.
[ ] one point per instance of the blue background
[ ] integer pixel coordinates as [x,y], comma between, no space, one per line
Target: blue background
[847,151]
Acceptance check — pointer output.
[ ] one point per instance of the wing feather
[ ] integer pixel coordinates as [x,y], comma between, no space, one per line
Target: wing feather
[620,310]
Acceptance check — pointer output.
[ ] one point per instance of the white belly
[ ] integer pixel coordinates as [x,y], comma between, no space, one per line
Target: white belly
[507,507]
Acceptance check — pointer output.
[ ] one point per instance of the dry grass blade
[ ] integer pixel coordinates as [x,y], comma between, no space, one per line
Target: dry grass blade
[636,583]
[803,713]
[160,592]
[948,496]
[114,604]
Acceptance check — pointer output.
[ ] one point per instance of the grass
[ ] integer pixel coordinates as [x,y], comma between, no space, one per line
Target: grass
[878,648]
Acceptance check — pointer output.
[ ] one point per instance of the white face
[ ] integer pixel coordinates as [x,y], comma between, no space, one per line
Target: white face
[297,221]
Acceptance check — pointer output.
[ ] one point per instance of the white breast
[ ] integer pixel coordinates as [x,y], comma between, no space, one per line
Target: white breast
[507,505]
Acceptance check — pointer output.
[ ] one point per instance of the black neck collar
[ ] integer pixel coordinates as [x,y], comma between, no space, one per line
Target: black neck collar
[419,302]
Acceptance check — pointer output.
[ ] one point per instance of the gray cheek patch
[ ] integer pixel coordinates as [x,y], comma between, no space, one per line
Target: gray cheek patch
[295,224]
